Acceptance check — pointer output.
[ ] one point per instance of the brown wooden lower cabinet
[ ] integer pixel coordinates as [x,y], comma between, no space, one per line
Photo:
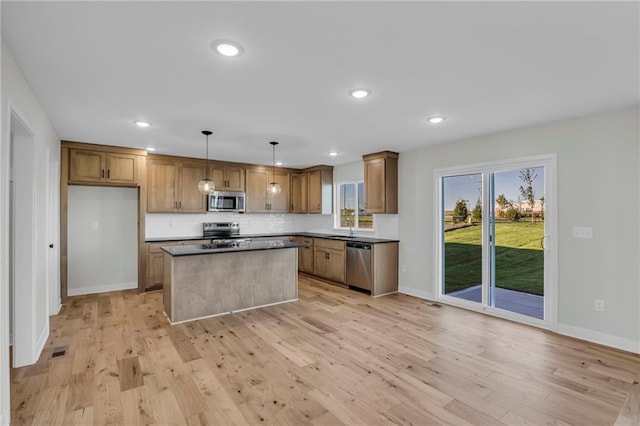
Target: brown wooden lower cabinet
[155,263]
[305,255]
[329,259]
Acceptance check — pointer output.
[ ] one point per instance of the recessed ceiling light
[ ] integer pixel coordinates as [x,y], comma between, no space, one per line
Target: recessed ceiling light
[151,148]
[333,153]
[436,119]
[360,93]
[142,124]
[227,47]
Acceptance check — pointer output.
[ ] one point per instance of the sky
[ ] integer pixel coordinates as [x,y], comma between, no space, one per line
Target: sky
[467,187]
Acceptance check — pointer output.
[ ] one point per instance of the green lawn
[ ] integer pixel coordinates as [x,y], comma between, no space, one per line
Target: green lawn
[519,257]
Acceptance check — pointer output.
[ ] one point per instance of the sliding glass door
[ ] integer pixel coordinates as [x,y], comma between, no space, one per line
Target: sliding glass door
[462,234]
[494,231]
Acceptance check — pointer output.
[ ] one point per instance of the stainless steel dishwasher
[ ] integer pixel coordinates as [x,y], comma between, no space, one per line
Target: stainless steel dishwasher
[359,264]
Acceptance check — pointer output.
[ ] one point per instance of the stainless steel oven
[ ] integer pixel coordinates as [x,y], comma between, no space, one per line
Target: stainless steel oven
[220,201]
[219,229]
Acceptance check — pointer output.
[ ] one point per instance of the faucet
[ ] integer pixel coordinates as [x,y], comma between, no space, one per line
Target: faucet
[350,221]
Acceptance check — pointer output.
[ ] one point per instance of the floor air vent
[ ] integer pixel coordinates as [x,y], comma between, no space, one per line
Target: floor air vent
[59,352]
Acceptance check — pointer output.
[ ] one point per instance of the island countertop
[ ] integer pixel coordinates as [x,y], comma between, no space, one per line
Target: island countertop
[196,249]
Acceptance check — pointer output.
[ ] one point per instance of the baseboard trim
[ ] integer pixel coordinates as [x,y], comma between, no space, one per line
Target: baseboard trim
[599,338]
[415,292]
[102,288]
[58,307]
[230,312]
[4,417]
[42,340]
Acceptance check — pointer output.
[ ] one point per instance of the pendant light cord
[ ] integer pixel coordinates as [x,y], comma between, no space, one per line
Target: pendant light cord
[273,164]
[206,170]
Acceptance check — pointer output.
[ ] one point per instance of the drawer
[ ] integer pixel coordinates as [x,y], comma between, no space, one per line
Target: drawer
[330,244]
[305,240]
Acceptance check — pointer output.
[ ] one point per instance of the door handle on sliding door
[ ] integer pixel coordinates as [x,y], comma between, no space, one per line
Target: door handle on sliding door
[543,241]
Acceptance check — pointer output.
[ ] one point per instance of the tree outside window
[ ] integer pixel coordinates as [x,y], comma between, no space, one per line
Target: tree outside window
[350,207]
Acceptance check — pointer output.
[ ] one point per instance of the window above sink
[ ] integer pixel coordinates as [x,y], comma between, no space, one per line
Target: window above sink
[350,213]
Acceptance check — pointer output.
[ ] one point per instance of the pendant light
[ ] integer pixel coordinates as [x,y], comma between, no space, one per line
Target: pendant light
[206,186]
[274,187]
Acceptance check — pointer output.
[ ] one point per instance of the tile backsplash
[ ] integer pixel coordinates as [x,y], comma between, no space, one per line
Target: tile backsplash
[190,225]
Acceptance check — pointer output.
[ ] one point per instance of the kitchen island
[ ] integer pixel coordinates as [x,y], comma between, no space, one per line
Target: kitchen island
[204,280]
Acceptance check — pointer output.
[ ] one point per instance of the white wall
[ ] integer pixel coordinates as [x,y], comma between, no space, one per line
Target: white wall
[598,177]
[102,239]
[16,95]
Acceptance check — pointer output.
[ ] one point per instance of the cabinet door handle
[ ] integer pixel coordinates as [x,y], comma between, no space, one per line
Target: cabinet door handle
[108,173]
[102,175]
[180,202]
[176,205]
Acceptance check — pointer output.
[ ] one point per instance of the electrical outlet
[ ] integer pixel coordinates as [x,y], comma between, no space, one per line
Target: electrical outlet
[94,225]
[599,305]
[404,268]
[582,232]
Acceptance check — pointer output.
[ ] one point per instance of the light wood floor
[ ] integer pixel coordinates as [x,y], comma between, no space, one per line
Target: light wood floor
[334,357]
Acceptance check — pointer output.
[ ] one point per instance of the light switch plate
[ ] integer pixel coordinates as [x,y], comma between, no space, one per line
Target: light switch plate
[582,232]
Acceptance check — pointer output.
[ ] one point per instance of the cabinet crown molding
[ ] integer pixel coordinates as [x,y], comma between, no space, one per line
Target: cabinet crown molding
[104,148]
[381,154]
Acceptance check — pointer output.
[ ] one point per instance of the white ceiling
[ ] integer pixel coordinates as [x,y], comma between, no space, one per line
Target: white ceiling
[488,66]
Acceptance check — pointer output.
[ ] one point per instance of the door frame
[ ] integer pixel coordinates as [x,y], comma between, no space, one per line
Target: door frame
[550,321]
[25,339]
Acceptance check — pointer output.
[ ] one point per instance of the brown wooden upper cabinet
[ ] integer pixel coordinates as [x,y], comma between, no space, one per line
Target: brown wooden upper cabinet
[227,178]
[299,194]
[381,182]
[173,185]
[88,166]
[257,198]
[312,190]
[320,189]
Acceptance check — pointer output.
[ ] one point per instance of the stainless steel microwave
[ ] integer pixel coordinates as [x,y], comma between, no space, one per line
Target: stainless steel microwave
[220,201]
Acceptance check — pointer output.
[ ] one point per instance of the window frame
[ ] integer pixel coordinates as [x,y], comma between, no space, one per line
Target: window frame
[336,212]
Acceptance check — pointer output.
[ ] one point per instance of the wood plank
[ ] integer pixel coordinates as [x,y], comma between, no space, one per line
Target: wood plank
[130,373]
[630,412]
[81,393]
[182,344]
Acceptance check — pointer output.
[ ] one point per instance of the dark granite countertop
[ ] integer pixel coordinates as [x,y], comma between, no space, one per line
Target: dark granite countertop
[195,249]
[356,238]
